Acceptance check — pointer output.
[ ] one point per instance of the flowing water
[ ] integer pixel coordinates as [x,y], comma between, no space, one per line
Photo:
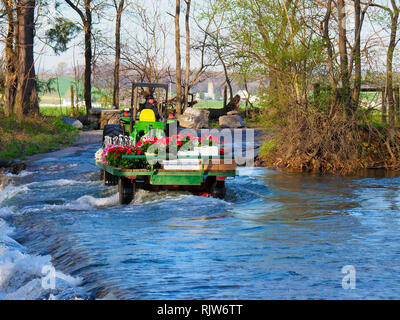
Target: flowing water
[275,236]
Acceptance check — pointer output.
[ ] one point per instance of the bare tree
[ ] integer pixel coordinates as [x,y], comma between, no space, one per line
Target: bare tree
[393,13]
[187,67]
[119,7]
[344,58]
[178,58]
[11,57]
[144,54]
[21,97]
[84,10]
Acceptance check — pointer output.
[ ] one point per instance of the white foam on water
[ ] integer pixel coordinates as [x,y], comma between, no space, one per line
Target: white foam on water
[28,276]
[11,191]
[88,202]
[59,183]
[23,173]
[149,197]
[83,203]
[7,212]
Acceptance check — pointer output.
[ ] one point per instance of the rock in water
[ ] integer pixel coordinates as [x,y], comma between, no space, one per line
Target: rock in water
[231,121]
[194,118]
[77,124]
[18,167]
[5,163]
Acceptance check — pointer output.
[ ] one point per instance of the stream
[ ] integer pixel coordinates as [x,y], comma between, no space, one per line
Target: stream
[276,235]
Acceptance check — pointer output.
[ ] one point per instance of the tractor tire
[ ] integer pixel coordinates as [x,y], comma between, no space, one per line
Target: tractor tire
[126,190]
[109,179]
[111,130]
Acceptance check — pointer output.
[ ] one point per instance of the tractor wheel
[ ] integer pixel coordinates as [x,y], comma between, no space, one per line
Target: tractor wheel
[109,179]
[126,189]
[111,130]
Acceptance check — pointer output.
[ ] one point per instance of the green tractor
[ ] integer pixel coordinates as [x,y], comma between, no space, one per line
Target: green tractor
[136,125]
[206,177]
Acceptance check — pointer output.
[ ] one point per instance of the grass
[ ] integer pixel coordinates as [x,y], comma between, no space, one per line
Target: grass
[215,104]
[209,104]
[59,111]
[52,111]
[19,139]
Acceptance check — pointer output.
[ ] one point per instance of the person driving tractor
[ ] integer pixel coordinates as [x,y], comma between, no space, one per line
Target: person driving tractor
[149,104]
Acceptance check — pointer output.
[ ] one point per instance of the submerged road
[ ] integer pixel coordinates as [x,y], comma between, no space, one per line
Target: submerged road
[276,236]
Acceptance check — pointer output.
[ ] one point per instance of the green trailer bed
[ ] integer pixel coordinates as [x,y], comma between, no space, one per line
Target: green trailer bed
[208,180]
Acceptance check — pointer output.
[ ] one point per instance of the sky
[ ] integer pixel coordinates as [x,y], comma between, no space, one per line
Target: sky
[47,60]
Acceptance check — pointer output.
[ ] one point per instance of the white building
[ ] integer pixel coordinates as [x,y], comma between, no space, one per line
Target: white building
[210,94]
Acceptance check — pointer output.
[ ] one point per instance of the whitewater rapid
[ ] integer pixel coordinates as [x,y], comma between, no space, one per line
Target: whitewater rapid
[24,275]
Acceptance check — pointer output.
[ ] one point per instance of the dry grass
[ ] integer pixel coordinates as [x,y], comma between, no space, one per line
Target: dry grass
[312,141]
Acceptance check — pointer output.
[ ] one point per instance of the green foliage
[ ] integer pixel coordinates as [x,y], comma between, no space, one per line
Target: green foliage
[268,147]
[61,33]
[60,111]
[45,86]
[19,139]
[276,46]
[105,100]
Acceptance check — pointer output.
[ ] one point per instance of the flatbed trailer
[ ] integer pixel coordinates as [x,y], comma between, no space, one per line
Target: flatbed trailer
[208,179]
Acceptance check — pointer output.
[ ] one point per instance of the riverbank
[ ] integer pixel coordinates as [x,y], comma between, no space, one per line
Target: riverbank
[20,139]
[277,235]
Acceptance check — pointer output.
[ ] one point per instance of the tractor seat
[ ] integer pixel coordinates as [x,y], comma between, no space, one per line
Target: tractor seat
[147,115]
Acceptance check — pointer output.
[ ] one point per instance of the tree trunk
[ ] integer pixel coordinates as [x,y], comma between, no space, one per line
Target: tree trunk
[187,71]
[87,28]
[10,85]
[397,105]
[357,56]
[221,59]
[117,54]
[26,99]
[178,59]
[87,83]
[384,108]
[344,60]
[389,67]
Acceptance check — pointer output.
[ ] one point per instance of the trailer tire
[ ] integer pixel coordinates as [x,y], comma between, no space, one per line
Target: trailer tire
[126,190]
[219,190]
[109,179]
[216,188]
[111,130]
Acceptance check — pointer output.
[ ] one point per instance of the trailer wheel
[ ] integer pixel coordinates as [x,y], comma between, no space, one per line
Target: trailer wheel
[109,179]
[126,190]
[216,188]
[219,190]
